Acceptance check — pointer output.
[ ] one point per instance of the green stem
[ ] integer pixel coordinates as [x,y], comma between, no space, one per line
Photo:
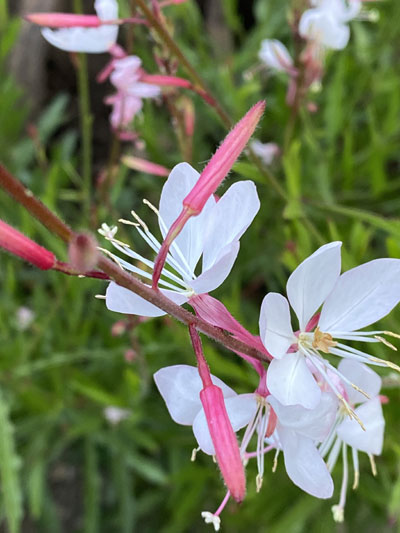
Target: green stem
[86,125]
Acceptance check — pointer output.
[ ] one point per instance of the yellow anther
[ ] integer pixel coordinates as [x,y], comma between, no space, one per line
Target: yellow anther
[137,217]
[385,342]
[373,464]
[356,479]
[259,482]
[323,341]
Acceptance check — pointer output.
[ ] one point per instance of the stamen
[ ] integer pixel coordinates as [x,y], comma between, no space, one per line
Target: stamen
[356,469]
[210,518]
[322,341]
[128,222]
[275,463]
[100,296]
[259,482]
[391,334]
[373,465]
[382,362]
[386,343]
[116,259]
[338,510]
[137,217]
[194,454]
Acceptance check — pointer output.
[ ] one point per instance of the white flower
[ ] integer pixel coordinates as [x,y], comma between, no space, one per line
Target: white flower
[265,151]
[275,55]
[180,387]
[297,431]
[115,415]
[346,432]
[90,40]
[25,317]
[214,235]
[352,301]
[321,26]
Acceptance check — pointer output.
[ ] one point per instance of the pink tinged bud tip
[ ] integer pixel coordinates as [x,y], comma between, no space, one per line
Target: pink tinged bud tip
[224,440]
[210,179]
[64,20]
[18,244]
[82,252]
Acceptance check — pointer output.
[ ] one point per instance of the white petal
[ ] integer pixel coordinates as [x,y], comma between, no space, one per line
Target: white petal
[319,25]
[144,90]
[362,296]
[180,182]
[275,329]
[312,281]
[304,464]
[370,440]
[312,423]
[241,409]
[122,300]
[89,40]
[362,376]
[275,55]
[216,275]
[202,433]
[106,9]
[229,219]
[291,382]
[180,386]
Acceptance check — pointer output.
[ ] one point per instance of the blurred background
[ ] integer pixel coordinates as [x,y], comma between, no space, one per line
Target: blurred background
[66,464]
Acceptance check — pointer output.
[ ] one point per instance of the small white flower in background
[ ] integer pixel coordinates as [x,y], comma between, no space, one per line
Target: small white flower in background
[115,415]
[25,317]
[214,234]
[350,301]
[89,40]
[265,151]
[326,25]
[348,433]
[275,55]
[180,387]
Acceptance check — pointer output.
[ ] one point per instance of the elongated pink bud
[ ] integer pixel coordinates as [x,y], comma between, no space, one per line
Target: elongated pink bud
[64,20]
[224,440]
[210,179]
[18,244]
[223,159]
[145,166]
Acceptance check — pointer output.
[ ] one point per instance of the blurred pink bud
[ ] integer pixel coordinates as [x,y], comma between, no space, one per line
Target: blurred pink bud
[130,355]
[83,252]
[20,245]
[142,165]
[224,440]
[118,328]
[64,20]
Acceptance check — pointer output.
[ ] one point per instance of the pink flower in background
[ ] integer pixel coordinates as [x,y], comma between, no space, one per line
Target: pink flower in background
[127,101]
[86,39]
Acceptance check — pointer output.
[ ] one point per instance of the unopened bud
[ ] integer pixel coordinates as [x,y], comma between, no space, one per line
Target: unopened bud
[83,252]
[20,245]
[63,20]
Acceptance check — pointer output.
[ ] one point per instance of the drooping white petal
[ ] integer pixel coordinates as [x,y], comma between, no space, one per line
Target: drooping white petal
[291,382]
[312,281]
[320,26]
[144,90]
[180,182]
[370,440]
[180,387]
[216,275]
[229,219]
[240,409]
[106,9]
[122,300]
[362,376]
[312,423]
[362,296]
[304,464]
[275,329]
[275,55]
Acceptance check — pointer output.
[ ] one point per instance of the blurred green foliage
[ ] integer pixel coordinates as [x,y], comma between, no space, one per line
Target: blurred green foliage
[62,465]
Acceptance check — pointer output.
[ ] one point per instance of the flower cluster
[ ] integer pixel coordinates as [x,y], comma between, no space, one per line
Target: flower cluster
[305,405]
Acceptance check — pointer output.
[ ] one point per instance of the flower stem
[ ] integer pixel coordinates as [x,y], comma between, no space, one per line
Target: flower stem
[86,125]
[57,227]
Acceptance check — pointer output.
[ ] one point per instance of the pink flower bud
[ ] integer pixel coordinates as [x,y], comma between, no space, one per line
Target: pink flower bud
[21,246]
[224,440]
[82,252]
[64,20]
[210,179]
[223,159]
[142,165]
